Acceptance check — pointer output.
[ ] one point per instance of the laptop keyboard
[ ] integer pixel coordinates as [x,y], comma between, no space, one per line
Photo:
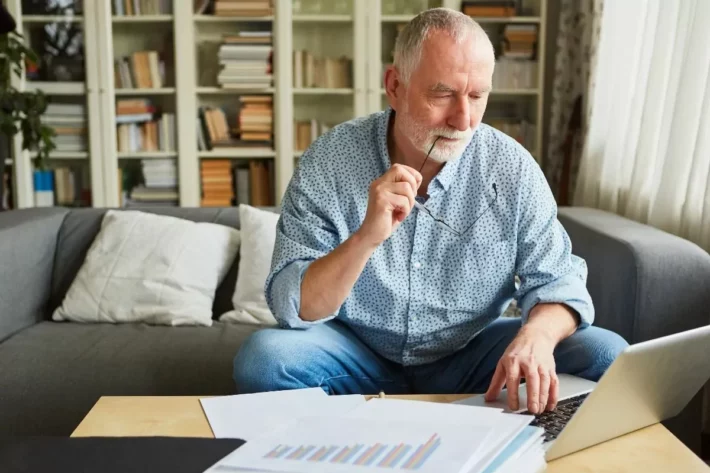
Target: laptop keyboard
[554,421]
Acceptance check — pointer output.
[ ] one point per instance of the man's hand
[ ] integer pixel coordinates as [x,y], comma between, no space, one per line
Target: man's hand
[530,355]
[390,201]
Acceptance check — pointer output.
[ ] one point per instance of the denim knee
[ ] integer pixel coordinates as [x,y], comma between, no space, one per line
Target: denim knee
[607,346]
[271,360]
[589,352]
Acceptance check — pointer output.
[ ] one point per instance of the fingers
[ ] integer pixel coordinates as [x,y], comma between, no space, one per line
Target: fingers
[497,383]
[545,381]
[532,384]
[554,392]
[402,173]
[400,188]
[400,206]
[512,384]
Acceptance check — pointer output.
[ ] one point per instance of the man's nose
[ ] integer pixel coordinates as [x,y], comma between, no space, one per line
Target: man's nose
[460,117]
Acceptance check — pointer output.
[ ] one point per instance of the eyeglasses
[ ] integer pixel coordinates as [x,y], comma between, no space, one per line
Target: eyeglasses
[440,221]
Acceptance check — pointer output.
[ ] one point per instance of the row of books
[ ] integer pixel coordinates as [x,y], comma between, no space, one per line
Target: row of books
[324,72]
[519,41]
[154,135]
[243,8]
[246,60]
[140,70]
[491,8]
[70,125]
[155,185]
[515,74]
[256,119]
[225,184]
[142,7]
[63,185]
[254,127]
[305,132]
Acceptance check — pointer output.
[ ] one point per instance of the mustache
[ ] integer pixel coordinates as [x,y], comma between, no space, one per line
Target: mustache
[451,134]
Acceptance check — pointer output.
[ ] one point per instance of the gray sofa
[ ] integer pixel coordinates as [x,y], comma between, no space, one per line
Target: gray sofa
[644,283]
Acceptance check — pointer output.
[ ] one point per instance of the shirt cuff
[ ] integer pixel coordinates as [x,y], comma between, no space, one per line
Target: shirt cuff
[568,290]
[284,297]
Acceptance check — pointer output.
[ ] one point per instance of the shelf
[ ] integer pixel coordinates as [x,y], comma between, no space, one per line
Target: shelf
[230,19]
[321,91]
[142,19]
[52,19]
[221,91]
[146,154]
[245,153]
[64,154]
[57,88]
[322,18]
[161,91]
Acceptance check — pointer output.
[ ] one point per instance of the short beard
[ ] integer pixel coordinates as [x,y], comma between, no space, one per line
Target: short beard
[422,138]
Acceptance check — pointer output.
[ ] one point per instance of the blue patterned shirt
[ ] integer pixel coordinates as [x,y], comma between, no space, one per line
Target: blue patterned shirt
[426,292]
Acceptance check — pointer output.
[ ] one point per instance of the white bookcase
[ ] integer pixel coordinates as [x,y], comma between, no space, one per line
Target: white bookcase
[362,30]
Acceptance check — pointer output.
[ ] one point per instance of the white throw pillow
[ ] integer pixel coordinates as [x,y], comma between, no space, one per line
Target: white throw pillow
[258,232]
[157,269]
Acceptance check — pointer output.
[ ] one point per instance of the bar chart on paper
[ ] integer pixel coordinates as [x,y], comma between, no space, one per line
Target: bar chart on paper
[401,456]
[347,444]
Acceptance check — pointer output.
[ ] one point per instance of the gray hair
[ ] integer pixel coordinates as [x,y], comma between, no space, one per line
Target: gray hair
[408,47]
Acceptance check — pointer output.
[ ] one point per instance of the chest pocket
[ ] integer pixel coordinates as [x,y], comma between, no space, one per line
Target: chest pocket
[483,264]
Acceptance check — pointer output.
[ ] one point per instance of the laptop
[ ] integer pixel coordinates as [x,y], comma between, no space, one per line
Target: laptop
[647,383]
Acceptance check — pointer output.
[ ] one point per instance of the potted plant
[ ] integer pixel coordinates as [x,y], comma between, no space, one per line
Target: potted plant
[20,111]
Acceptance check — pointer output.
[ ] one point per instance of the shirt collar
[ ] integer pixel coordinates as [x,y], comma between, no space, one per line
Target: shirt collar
[447,174]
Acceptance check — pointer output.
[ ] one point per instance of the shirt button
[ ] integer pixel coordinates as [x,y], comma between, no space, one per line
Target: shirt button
[417,265]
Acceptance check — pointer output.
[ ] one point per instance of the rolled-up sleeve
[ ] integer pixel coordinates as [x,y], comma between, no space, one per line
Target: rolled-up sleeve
[304,234]
[548,271]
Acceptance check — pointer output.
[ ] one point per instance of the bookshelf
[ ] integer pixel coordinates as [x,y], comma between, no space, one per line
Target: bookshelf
[70,82]
[189,42]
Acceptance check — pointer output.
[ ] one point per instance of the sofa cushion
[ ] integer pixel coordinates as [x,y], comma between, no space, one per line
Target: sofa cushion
[81,226]
[157,269]
[54,372]
[256,250]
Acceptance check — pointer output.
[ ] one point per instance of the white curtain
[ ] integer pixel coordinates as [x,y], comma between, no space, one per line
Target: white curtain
[647,152]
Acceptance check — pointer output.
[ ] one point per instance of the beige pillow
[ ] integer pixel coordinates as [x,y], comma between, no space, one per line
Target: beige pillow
[258,235]
[149,268]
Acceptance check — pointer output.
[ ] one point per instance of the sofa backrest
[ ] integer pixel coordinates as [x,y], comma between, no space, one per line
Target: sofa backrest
[81,226]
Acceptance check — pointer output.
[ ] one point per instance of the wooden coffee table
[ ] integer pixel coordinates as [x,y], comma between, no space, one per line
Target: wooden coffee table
[650,450]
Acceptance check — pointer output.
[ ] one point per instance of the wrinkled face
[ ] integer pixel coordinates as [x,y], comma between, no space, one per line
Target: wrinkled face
[446,95]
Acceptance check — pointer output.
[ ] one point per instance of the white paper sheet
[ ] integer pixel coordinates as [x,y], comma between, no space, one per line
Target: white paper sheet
[348,444]
[504,427]
[248,416]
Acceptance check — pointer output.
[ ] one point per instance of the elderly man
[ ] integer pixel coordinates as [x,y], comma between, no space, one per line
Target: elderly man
[400,238]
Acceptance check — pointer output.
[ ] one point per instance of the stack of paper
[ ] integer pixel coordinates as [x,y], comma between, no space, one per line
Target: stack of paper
[307,431]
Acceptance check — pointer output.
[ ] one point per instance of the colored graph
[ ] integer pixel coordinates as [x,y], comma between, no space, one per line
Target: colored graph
[402,456]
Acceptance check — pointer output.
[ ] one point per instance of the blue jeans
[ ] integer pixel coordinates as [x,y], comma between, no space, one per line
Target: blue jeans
[332,357]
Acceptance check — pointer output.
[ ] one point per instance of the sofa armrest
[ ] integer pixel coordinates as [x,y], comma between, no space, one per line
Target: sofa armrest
[28,240]
[645,283]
